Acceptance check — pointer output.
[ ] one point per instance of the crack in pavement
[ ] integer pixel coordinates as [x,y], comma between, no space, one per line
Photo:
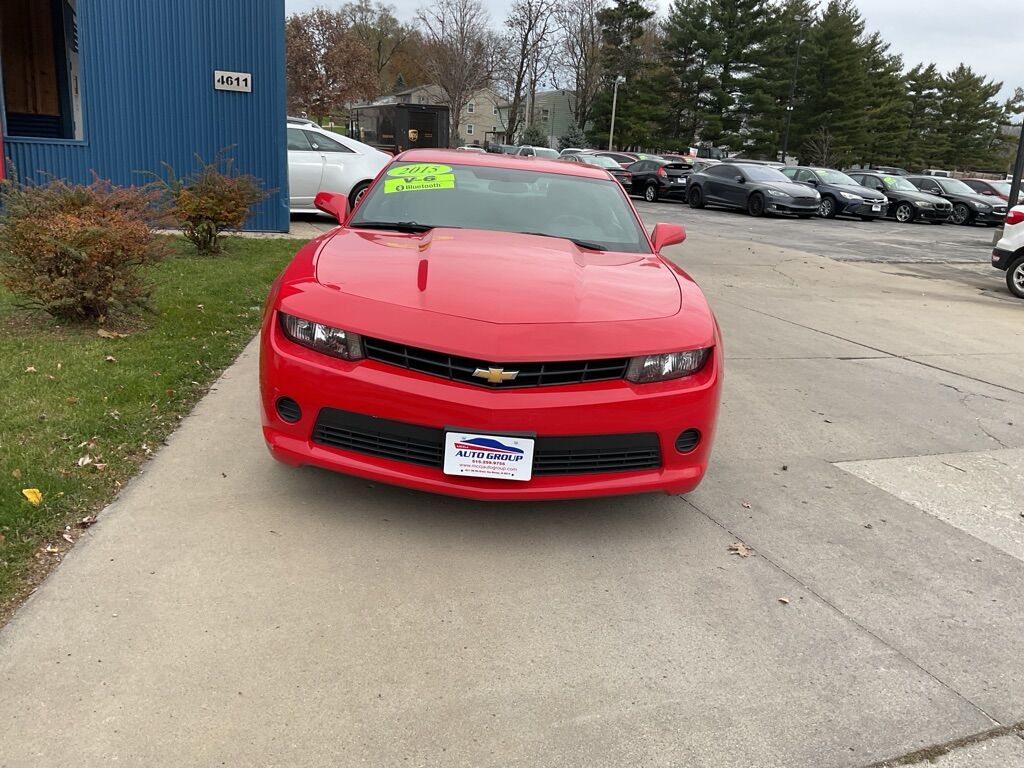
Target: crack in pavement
[778,566]
[885,352]
[934,751]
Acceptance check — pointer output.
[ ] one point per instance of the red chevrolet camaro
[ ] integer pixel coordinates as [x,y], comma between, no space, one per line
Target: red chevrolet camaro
[495,328]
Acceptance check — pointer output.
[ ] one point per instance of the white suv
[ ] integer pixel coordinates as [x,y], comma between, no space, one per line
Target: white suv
[1009,251]
[323,161]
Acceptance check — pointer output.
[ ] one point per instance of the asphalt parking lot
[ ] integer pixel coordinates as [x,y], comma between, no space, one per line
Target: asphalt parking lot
[844,589]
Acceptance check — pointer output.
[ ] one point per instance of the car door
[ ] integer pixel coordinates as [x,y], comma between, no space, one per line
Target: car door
[305,169]
[714,187]
[641,171]
[341,168]
[734,191]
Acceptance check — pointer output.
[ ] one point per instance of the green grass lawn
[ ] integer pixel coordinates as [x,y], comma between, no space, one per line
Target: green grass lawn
[112,400]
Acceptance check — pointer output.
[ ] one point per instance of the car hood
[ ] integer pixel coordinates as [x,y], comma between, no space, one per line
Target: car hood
[498,277]
[917,194]
[857,189]
[790,188]
[965,198]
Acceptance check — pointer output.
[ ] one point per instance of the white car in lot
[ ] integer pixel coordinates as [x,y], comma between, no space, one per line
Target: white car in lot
[322,161]
[1008,254]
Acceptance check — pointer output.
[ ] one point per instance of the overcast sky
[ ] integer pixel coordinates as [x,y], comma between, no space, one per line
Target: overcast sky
[987,38]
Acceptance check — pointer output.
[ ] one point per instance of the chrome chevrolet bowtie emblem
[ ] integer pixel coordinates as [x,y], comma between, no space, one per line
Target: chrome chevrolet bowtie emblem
[495,375]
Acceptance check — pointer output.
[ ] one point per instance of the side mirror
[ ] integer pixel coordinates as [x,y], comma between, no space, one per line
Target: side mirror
[812,182]
[333,203]
[665,235]
[738,178]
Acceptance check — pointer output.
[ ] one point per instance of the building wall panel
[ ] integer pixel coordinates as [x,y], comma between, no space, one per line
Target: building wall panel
[148,96]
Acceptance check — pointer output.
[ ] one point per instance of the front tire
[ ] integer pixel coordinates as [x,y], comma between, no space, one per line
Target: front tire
[827,209]
[695,197]
[651,193]
[755,205]
[1015,277]
[961,214]
[357,193]
[904,213]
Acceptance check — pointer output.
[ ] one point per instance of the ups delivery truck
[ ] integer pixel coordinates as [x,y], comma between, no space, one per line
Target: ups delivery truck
[397,127]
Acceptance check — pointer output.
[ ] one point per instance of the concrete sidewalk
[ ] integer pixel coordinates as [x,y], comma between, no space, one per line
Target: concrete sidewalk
[230,610]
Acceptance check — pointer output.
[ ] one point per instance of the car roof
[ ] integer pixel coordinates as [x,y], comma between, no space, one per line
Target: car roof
[554,165]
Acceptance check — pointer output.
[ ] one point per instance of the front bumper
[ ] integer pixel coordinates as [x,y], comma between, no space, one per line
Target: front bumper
[989,217]
[933,214]
[368,388]
[865,209]
[774,205]
[1001,259]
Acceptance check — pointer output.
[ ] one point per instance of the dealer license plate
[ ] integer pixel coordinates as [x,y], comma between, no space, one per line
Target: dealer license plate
[876,207]
[496,456]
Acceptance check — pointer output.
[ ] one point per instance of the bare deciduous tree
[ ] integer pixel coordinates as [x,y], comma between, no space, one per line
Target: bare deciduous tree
[325,65]
[579,52]
[377,27]
[527,49]
[458,52]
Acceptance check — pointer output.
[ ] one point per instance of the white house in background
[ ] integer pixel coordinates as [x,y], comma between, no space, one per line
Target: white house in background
[552,114]
[481,119]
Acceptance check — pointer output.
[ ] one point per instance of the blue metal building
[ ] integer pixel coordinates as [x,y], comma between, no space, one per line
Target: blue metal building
[116,87]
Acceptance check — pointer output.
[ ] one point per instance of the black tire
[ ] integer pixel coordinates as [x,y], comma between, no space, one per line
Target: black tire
[1015,277]
[755,205]
[357,193]
[695,197]
[962,215]
[651,193]
[828,207]
[904,213]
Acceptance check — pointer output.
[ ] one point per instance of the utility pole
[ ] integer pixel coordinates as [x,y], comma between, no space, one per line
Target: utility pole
[1018,169]
[615,99]
[802,21]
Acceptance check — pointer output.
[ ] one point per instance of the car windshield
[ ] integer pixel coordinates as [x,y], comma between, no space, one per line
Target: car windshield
[899,184]
[419,196]
[601,162]
[955,187]
[829,176]
[763,173]
[545,152]
[1002,187]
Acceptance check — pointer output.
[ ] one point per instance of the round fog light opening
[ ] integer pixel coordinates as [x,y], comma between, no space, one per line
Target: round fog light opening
[688,440]
[288,410]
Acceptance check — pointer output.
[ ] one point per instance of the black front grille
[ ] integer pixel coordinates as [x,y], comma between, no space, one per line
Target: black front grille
[399,441]
[461,369]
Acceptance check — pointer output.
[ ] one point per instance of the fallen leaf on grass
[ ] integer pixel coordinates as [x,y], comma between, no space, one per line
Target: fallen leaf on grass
[16,474]
[34,496]
[51,550]
[110,359]
[741,549]
[86,521]
[30,369]
[100,467]
[104,333]
[84,461]
[67,538]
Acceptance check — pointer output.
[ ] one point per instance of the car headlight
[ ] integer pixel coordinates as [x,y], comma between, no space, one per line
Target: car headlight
[776,193]
[851,196]
[980,205]
[322,338]
[923,204]
[673,365]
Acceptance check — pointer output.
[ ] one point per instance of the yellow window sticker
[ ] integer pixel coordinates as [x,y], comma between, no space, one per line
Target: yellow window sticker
[419,176]
[888,179]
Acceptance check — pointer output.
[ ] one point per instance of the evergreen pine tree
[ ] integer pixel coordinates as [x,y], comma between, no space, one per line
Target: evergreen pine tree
[924,142]
[885,107]
[971,119]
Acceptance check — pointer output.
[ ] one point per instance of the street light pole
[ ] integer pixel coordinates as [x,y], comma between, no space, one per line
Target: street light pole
[615,98]
[792,87]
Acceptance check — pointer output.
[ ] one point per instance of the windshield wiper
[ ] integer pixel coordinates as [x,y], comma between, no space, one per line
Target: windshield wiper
[580,243]
[398,226]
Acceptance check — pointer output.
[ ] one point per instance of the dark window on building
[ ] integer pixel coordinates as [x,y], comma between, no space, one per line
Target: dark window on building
[39,44]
